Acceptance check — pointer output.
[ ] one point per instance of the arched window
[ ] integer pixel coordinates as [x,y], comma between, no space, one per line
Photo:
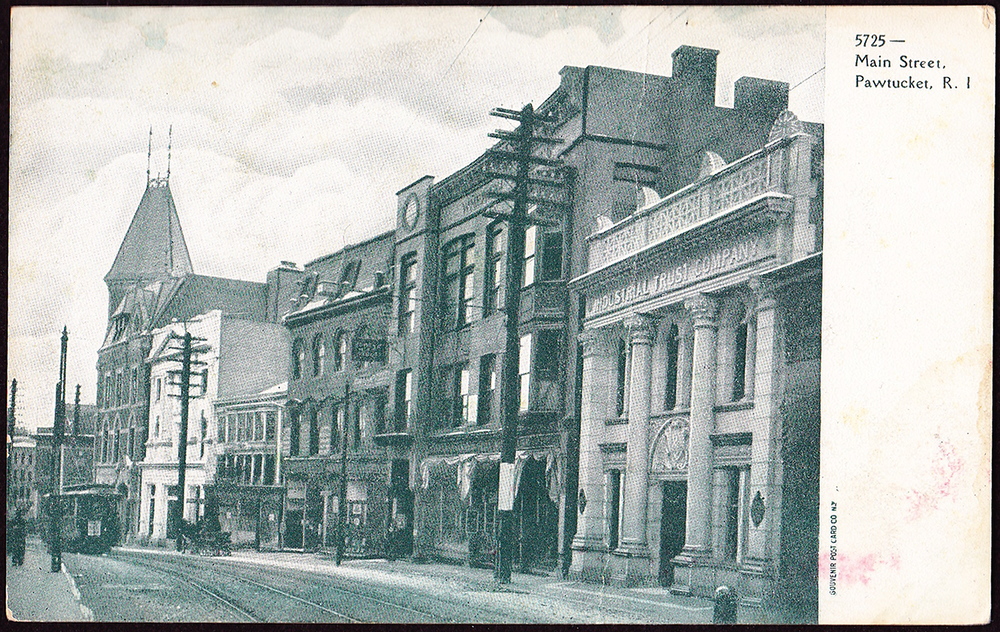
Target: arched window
[737,343]
[298,358]
[340,355]
[319,350]
[673,347]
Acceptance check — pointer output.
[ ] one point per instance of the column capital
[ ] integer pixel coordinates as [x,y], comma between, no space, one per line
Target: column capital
[595,342]
[703,308]
[765,292]
[641,328]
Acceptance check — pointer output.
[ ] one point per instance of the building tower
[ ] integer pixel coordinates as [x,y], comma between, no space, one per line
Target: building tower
[153,248]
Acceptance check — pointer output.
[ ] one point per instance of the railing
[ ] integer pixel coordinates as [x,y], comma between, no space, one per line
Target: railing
[734,185]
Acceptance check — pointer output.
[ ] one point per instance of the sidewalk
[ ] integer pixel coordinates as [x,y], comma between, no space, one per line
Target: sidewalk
[549,596]
[36,594]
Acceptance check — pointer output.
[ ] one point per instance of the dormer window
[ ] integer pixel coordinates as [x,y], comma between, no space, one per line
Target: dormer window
[120,327]
[349,276]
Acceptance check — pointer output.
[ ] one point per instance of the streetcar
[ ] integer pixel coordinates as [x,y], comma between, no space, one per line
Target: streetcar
[89,518]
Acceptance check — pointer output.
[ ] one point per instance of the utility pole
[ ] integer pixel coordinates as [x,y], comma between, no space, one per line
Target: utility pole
[58,428]
[342,501]
[11,426]
[184,373]
[517,148]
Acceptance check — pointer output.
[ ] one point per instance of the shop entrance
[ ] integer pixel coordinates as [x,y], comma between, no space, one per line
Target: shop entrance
[672,527]
[537,517]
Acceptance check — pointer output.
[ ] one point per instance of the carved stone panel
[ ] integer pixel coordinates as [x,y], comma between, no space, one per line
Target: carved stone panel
[670,449]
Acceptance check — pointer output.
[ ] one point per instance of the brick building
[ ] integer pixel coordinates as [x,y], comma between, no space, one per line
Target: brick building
[150,284]
[338,393]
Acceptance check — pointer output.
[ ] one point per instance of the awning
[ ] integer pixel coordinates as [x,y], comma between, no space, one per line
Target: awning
[465,466]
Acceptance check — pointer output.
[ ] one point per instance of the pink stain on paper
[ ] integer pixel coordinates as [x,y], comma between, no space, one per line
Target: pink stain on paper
[945,468]
[848,570]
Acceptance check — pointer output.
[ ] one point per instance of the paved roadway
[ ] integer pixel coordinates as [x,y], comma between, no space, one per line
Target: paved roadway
[148,586]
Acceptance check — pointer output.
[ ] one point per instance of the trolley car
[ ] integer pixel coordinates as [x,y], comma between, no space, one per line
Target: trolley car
[89,518]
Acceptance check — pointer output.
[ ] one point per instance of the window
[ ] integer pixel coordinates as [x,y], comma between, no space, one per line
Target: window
[220,428]
[293,433]
[340,355]
[530,243]
[404,399]
[488,380]
[156,426]
[670,390]
[203,437]
[270,424]
[336,423]
[319,351]
[378,412]
[258,426]
[407,293]
[622,394]
[298,358]
[313,431]
[614,483]
[524,371]
[740,362]
[459,286]
[349,277]
[493,292]
[463,401]
[268,469]
[552,256]
[737,346]
[737,482]
[354,413]
[547,383]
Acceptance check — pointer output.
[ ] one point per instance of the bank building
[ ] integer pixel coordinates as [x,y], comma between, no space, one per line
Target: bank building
[699,436]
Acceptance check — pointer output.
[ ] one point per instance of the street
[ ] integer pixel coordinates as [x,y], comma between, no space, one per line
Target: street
[139,585]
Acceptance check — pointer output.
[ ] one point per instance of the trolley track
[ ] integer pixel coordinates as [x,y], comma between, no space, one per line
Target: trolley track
[226,570]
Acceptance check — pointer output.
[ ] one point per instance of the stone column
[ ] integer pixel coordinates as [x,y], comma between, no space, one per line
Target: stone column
[765,466]
[641,331]
[698,540]
[598,384]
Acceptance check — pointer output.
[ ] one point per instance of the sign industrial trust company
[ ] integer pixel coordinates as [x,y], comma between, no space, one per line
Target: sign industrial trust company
[683,271]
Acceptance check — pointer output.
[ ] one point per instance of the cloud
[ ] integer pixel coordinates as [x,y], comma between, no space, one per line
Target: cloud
[293,127]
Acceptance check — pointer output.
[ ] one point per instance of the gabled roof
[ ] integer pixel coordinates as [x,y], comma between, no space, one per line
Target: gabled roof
[154,245]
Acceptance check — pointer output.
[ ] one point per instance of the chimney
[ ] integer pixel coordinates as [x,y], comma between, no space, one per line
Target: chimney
[379,279]
[761,96]
[695,68]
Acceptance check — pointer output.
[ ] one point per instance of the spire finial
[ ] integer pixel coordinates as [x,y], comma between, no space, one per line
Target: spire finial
[170,139]
[149,153]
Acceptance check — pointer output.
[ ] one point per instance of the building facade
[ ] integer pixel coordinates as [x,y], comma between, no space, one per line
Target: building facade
[239,357]
[338,394]
[23,491]
[699,451]
[449,331]
[247,492]
[151,284]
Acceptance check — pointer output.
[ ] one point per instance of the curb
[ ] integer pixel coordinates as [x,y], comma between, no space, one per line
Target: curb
[88,614]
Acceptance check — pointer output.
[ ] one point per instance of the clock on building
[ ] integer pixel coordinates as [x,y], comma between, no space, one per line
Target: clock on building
[412,211]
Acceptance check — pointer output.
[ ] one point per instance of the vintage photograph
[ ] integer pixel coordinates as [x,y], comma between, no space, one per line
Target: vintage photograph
[415,315]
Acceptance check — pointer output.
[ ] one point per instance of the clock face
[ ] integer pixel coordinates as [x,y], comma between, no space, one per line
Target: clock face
[412,211]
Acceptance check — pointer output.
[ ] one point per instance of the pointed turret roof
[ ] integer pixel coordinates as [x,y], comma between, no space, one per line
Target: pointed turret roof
[154,246]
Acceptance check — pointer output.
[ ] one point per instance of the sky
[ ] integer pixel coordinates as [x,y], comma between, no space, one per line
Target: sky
[292,129]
